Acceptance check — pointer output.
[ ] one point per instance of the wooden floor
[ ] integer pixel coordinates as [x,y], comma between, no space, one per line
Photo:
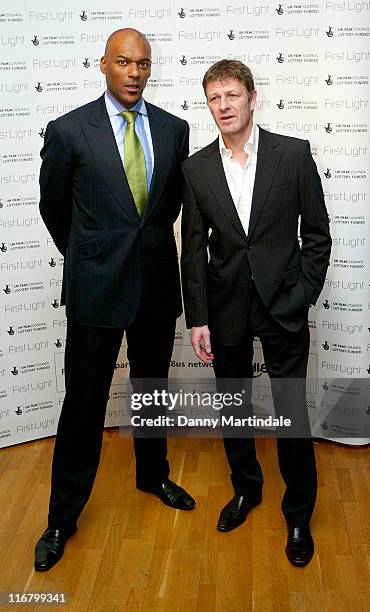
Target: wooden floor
[133,553]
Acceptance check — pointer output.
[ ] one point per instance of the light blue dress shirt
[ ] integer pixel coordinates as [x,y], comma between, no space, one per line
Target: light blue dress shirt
[142,129]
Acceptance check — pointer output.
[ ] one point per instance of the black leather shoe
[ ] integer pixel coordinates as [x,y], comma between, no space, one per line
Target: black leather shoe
[171,494]
[299,548]
[50,547]
[235,512]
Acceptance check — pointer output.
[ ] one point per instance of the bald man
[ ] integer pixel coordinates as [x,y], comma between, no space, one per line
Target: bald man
[109,197]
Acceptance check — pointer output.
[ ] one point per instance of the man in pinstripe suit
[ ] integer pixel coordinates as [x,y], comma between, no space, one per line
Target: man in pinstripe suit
[245,274]
[109,197]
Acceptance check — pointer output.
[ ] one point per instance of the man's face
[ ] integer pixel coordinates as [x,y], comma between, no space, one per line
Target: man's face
[230,106]
[126,66]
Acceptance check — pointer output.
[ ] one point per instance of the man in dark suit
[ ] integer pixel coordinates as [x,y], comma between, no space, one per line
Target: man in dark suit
[109,197]
[245,274]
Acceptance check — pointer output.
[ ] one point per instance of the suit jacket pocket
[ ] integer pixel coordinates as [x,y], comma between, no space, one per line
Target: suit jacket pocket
[85,250]
[290,277]
[281,187]
[214,284]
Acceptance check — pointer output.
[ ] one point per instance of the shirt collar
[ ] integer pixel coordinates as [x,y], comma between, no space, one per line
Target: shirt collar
[249,147]
[115,108]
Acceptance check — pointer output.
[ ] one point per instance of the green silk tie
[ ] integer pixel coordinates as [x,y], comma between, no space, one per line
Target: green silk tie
[135,167]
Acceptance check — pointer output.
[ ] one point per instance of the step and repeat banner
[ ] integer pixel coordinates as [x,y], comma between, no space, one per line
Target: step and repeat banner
[311,67]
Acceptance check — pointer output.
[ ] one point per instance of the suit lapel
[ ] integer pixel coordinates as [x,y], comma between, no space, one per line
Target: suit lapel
[217,182]
[163,157]
[99,134]
[268,159]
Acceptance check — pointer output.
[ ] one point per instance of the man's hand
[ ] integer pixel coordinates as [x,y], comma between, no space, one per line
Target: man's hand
[200,340]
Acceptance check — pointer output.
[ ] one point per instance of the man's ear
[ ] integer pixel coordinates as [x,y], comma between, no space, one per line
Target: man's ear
[252,101]
[103,64]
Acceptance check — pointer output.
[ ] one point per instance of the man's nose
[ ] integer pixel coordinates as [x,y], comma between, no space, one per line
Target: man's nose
[223,103]
[133,69]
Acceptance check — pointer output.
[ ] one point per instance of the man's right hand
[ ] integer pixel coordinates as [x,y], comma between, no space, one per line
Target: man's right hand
[201,342]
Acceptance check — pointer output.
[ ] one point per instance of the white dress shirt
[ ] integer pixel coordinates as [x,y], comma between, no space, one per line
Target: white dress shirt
[240,179]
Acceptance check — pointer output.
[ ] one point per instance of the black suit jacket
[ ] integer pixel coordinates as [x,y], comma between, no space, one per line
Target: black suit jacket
[112,257]
[219,259]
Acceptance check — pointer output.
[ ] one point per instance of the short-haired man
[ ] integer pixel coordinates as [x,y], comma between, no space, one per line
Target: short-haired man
[109,196]
[245,274]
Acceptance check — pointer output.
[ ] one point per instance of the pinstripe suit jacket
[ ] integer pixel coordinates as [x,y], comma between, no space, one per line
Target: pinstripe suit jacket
[219,259]
[112,257]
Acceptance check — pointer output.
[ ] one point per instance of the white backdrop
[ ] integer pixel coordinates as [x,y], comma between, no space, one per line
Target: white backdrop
[311,67]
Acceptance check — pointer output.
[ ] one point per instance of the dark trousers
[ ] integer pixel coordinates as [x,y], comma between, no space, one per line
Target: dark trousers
[286,356]
[90,359]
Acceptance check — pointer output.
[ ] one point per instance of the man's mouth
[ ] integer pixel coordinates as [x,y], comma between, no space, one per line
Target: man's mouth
[133,88]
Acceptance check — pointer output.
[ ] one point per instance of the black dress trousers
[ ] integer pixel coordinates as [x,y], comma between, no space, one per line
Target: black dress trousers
[286,357]
[90,359]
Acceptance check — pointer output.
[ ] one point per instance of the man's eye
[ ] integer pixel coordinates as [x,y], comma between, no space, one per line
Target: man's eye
[144,64]
[122,62]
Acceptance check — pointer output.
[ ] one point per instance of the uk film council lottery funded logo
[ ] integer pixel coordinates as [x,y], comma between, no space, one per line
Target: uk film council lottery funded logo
[235,33]
[297,57]
[194,105]
[104,15]
[354,127]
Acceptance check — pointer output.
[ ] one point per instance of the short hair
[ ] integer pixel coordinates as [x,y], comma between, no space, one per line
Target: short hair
[229,69]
